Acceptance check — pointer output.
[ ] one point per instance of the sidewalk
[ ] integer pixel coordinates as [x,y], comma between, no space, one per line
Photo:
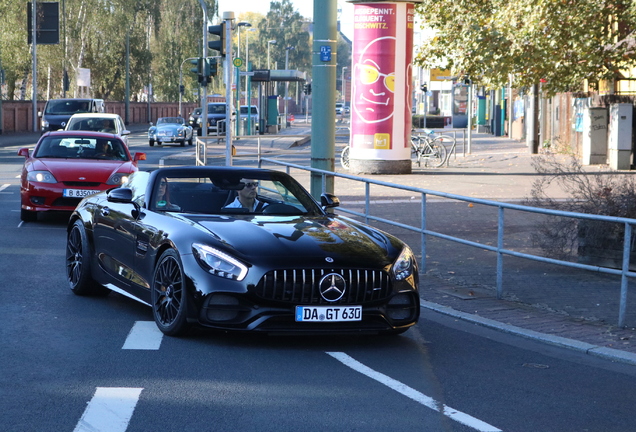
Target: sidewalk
[564,307]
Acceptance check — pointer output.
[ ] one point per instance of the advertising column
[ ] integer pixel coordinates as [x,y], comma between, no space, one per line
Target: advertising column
[381,95]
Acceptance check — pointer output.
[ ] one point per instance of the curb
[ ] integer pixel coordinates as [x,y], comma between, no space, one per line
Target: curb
[582,347]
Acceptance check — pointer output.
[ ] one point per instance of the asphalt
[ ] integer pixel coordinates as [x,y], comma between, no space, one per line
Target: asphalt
[573,309]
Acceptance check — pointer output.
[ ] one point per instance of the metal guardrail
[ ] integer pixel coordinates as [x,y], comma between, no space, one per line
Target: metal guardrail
[624,272]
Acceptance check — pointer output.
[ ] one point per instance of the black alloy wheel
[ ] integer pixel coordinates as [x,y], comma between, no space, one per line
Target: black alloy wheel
[168,295]
[78,267]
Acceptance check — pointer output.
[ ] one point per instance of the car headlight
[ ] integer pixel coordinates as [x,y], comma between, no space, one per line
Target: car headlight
[45,124]
[219,263]
[41,177]
[181,132]
[117,179]
[404,264]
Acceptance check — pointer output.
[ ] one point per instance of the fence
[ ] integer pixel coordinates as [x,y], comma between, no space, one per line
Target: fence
[499,248]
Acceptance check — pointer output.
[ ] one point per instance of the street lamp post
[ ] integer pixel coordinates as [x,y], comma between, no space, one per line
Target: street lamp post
[344,86]
[238,75]
[287,82]
[248,82]
[270,42]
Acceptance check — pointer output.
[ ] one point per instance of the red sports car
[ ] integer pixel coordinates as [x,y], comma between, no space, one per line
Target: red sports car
[66,166]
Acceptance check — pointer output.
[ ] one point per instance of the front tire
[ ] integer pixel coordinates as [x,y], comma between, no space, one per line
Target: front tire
[152,143]
[168,295]
[78,265]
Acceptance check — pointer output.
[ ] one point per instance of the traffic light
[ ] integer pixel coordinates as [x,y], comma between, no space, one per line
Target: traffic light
[218,45]
[213,67]
[424,88]
[199,70]
[307,89]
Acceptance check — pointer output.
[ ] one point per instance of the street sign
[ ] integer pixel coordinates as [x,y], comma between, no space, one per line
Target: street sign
[325,53]
[237,62]
[243,73]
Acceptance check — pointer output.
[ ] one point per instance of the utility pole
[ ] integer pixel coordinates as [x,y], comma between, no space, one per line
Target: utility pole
[324,59]
[34,65]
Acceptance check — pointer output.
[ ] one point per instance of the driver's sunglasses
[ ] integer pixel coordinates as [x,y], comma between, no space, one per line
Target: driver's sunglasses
[251,184]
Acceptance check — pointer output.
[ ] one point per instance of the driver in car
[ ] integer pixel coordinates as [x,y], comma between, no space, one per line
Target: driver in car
[246,197]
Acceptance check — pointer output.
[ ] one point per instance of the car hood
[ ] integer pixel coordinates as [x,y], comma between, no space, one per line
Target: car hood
[303,241]
[91,170]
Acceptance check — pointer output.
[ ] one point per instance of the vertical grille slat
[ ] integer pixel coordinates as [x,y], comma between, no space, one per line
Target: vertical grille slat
[300,286]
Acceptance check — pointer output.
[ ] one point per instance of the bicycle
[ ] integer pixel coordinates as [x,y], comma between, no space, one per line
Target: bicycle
[430,148]
[344,157]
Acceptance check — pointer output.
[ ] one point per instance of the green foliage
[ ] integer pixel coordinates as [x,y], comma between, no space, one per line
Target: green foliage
[560,41]
[162,34]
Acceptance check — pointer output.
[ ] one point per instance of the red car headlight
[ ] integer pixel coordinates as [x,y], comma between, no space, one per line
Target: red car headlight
[118,179]
[41,177]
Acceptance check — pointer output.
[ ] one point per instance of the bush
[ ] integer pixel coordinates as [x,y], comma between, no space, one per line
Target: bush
[603,193]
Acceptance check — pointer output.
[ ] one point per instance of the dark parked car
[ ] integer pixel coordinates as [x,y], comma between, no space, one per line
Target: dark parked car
[178,240]
[216,119]
[194,116]
[58,111]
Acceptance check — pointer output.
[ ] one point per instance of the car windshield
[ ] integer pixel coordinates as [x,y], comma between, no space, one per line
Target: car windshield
[216,109]
[93,124]
[244,110]
[170,120]
[66,107]
[217,193]
[69,147]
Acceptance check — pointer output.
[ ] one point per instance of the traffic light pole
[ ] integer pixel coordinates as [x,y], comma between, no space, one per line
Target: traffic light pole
[204,88]
[228,17]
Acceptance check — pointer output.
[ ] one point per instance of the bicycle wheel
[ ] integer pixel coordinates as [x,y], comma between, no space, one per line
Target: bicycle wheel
[416,148]
[344,157]
[435,153]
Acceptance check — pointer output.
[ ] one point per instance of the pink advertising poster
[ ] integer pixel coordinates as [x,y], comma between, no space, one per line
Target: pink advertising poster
[381,92]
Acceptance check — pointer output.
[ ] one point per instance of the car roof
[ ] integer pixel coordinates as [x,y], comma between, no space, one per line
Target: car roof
[81,133]
[96,115]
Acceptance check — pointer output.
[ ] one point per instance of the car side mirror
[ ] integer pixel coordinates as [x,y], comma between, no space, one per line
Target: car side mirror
[23,152]
[151,124]
[328,200]
[125,132]
[39,113]
[120,195]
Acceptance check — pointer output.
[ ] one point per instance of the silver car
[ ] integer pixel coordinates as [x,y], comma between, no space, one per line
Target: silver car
[99,122]
[170,130]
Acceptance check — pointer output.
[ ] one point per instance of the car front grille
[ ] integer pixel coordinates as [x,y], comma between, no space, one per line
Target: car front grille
[301,286]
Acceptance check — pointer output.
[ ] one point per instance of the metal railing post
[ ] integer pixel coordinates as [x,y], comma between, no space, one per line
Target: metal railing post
[500,247]
[627,243]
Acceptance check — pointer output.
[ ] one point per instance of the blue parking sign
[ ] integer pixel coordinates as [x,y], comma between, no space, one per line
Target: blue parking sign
[325,53]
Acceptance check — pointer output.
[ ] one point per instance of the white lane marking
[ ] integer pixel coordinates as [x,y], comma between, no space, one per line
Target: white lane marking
[109,410]
[421,398]
[143,336]
[4,186]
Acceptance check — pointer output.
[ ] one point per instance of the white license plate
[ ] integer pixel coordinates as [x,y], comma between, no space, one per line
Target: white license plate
[328,313]
[78,193]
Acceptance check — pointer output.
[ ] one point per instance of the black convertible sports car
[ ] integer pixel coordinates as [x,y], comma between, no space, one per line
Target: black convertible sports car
[240,249]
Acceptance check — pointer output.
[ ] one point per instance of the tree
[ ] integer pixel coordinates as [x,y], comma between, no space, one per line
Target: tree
[561,42]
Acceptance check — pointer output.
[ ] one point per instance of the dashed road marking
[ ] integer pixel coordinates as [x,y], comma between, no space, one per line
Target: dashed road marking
[143,336]
[109,410]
